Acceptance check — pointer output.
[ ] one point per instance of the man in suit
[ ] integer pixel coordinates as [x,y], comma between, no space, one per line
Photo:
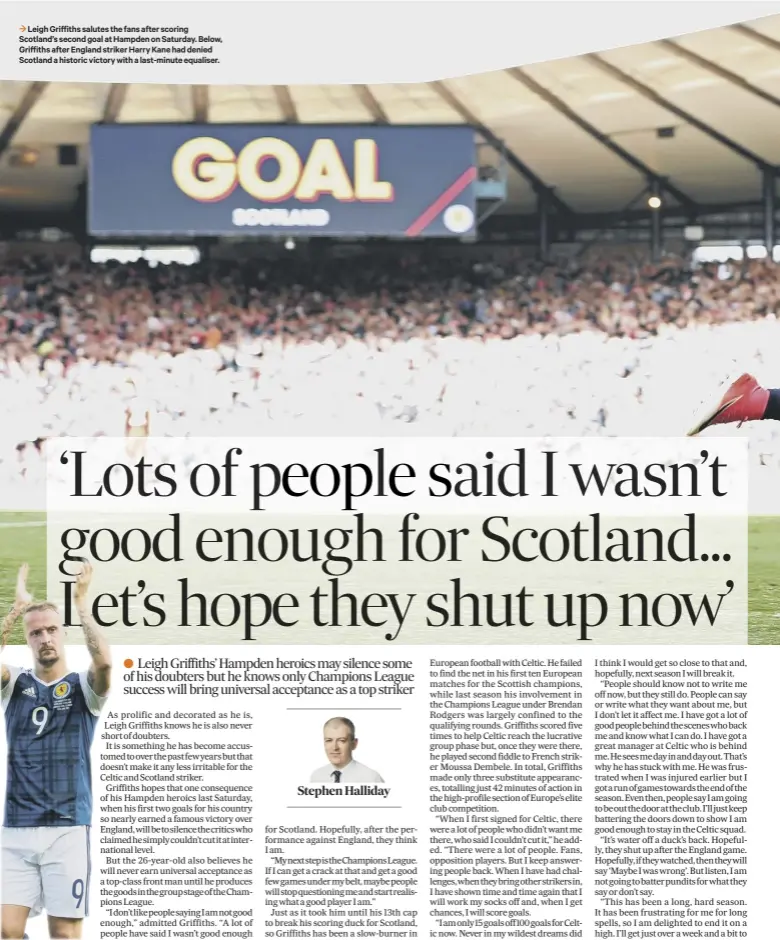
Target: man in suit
[340,742]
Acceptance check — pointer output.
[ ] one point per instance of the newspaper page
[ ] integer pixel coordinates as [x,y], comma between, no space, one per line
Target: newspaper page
[389,485]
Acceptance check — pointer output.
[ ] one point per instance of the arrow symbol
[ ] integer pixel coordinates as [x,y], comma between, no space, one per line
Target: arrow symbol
[22,29]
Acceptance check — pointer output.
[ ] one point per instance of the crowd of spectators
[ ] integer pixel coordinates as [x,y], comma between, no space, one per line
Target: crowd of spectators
[106,312]
[437,345]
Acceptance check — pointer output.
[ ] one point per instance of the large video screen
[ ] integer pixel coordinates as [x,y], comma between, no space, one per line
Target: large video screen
[307,180]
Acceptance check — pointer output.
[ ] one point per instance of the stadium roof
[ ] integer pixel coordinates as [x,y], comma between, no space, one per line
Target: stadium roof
[701,111]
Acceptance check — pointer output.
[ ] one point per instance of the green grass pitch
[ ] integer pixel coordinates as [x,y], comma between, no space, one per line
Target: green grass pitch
[23,538]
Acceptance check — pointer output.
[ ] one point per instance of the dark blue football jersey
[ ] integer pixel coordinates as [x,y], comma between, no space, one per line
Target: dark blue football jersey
[49,730]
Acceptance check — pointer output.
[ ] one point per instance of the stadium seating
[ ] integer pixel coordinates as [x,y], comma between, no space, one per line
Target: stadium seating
[439,346]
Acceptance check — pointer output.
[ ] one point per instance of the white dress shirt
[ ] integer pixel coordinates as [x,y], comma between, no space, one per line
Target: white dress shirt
[353,772]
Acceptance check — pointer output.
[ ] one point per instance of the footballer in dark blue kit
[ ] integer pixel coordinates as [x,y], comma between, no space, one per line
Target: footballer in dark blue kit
[51,714]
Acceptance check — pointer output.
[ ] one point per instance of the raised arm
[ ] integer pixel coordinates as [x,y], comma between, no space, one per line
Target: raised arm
[99,675]
[5,672]
[22,598]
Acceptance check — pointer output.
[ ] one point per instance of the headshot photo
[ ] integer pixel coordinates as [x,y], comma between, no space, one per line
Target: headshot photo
[340,742]
[51,713]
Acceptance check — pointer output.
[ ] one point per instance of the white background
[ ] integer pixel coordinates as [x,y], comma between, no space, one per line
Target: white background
[381,42]
[371,41]
[288,747]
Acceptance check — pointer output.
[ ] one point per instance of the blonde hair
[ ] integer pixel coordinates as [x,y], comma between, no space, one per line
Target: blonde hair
[39,607]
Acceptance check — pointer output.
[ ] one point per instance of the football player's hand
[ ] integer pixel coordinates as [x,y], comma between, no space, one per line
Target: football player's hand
[82,583]
[23,596]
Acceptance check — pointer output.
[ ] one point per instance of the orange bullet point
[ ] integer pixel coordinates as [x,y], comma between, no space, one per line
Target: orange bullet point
[128,664]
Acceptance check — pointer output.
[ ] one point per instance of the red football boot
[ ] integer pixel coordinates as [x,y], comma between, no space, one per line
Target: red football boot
[744,400]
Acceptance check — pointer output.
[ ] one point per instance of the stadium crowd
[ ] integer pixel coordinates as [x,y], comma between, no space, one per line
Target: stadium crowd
[106,312]
[403,344]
